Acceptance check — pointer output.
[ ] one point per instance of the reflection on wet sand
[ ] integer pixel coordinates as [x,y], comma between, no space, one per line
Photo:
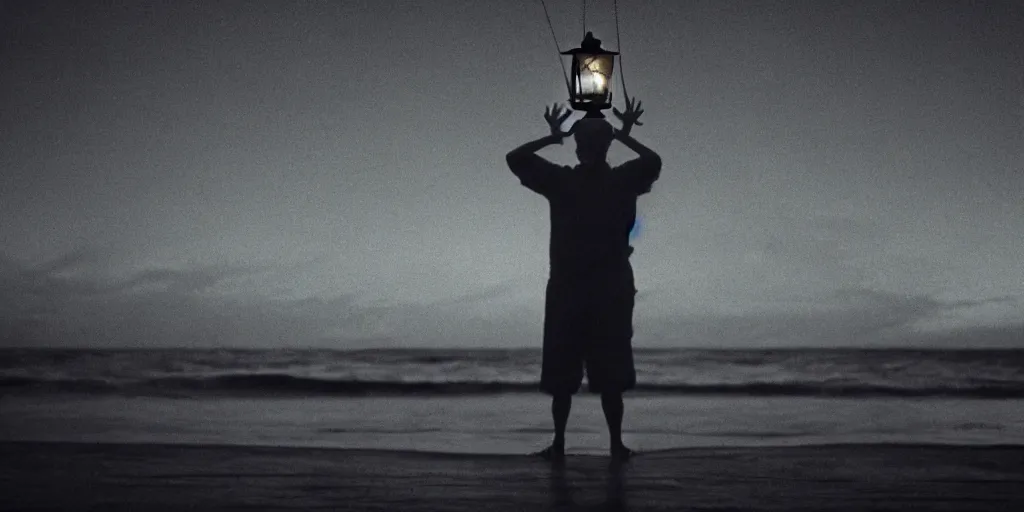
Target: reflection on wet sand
[575,489]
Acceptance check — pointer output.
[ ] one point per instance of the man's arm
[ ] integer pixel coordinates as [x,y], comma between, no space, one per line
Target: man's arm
[535,172]
[527,151]
[642,171]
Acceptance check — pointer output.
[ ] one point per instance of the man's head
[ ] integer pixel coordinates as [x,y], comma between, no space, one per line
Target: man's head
[593,138]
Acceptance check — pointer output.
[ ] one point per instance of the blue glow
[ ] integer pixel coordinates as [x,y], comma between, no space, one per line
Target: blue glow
[635,232]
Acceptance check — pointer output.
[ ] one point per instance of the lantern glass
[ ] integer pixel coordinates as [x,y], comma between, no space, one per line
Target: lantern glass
[593,77]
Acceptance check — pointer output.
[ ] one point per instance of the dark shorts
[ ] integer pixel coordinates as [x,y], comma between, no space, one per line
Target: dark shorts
[591,326]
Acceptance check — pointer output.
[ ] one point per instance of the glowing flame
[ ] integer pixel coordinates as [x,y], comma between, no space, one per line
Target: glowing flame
[593,83]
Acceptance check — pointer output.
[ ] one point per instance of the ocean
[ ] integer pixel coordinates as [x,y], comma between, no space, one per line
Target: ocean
[486,401]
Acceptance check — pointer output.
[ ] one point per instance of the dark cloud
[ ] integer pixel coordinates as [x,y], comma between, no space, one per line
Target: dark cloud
[45,305]
[849,317]
[487,293]
[1003,336]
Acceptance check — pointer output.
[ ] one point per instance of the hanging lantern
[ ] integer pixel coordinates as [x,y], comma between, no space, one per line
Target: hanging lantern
[589,89]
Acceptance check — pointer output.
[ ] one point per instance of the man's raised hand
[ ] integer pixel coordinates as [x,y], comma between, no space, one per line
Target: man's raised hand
[555,117]
[631,116]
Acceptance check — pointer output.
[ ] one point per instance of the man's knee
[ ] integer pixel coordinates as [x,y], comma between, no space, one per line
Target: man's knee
[611,396]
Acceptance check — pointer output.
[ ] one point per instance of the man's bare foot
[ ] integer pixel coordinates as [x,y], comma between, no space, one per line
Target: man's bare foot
[552,453]
[621,453]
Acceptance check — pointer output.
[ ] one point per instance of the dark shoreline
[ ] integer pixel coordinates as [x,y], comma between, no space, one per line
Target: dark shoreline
[78,476]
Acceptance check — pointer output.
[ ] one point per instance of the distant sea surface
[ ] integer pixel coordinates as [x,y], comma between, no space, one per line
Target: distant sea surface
[487,400]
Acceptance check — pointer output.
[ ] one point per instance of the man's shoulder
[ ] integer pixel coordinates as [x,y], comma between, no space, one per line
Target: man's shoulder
[532,162]
[635,164]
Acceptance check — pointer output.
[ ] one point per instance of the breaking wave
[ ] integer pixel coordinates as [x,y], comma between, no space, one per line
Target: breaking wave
[281,384]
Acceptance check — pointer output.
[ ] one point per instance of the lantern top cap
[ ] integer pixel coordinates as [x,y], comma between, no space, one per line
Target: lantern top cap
[591,46]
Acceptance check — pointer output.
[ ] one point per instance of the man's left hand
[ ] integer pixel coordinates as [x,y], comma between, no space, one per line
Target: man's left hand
[631,116]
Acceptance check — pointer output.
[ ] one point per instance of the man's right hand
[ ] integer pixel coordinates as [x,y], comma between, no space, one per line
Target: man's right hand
[555,117]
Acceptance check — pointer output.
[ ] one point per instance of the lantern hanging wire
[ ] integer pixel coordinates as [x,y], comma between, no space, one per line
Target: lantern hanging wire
[618,46]
[618,43]
[568,87]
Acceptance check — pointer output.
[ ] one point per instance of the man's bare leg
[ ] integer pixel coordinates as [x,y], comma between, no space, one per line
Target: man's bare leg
[611,403]
[560,406]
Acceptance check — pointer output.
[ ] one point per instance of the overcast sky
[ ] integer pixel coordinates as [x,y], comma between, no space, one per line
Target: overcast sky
[331,173]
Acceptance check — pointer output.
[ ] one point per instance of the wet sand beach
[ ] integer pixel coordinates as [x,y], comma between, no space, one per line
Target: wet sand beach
[80,476]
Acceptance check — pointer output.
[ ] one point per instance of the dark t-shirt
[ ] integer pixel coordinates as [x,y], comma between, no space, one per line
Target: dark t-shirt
[592,211]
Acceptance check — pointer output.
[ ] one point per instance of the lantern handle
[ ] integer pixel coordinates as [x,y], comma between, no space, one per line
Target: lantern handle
[584,18]
[618,44]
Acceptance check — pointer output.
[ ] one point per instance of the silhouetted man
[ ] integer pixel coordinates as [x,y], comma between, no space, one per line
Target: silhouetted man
[588,314]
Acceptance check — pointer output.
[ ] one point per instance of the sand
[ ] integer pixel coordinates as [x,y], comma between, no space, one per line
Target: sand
[69,476]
